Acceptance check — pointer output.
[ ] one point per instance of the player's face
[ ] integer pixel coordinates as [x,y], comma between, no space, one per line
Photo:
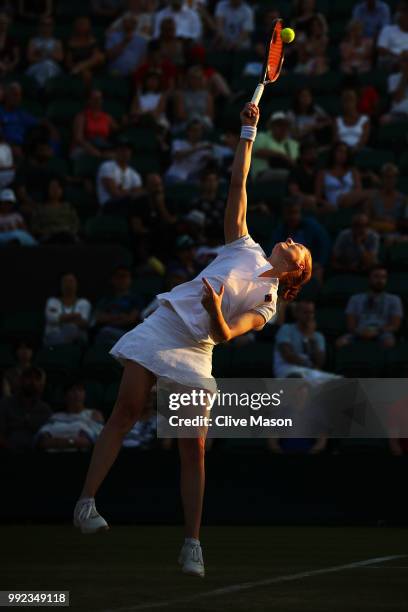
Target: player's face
[292,253]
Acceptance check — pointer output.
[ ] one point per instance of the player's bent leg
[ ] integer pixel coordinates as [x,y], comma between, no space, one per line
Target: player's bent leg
[192,452]
[132,398]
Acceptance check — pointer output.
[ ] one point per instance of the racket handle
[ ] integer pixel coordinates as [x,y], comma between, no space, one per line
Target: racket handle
[258,94]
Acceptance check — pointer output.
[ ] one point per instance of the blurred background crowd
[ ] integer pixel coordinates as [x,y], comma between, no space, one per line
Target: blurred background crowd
[118,125]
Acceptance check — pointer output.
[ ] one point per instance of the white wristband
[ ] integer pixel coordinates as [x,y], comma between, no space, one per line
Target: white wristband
[248,132]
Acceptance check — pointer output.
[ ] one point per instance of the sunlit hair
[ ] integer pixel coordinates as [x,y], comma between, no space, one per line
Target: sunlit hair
[292,282]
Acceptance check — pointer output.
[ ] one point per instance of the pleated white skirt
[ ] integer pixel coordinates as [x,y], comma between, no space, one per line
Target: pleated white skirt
[164,345]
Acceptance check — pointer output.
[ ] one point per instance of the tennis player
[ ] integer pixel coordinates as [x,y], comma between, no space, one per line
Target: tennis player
[235,293]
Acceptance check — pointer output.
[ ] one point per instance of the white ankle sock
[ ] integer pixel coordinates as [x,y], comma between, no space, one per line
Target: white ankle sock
[192,541]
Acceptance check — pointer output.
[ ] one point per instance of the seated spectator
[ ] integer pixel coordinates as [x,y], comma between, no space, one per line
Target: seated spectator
[118,186]
[393,39]
[183,262]
[7,166]
[13,229]
[55,221]
[302,178]
[67,316]
[209,200]
[22,415]
[45,53]
[388,206]
[235,23]
[189,156]
[83,55]
[76,427]
[119,312]
[156,62]
[34,176]
[398,90]
[356,50]
[339,184]
[306,230]
[9,50]
[194,101]
[217,84]
[351,127]
[375,315]
[149,104]
[93,129]
[356,249]
[32,10]
[311,48]
[143,12]
[15,121]
[305,12]
[307,118]
[306,418]
[187,20]
[125,48]
[275,153]
[171,46]
[373,14]
[11,382]
[299,348]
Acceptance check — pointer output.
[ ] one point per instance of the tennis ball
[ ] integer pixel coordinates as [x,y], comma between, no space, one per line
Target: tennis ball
[288,35]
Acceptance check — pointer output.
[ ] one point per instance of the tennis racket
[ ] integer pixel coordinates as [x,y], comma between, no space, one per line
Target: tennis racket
[274,57]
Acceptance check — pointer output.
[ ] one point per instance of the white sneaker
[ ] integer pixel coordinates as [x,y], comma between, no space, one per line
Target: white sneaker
[191,560]
[87,518]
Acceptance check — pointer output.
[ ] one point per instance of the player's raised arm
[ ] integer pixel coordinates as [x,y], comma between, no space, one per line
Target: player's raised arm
[235,213]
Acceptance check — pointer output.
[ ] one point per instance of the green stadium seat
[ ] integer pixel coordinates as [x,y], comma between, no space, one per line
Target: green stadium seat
[240,59]
[99,365]
[147,287]
[109,398]
[107,229]
[222,361]
[337,289]
[59,166]
[310,291]
[397,361]
[340,8]
[116,108]
[254,360]
[337,29]
[398,283]
[86,166]
[331,322]
[275,104]
[112,87]
[403,164]
[222,62]
[142,139]
[373,159]
[330,102]
[375,78]
[398,255]
[59,362]
[62,110]
[84,202]
[271,192]
[33,107]
[392,135]
[7,358]
[326,83]
[359,360]
[182,195]
[261,227]
[146,163]
[24,325]
[336,221]
[65,85]
[403,185]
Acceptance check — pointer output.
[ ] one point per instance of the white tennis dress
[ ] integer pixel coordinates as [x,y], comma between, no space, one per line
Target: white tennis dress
[175,340]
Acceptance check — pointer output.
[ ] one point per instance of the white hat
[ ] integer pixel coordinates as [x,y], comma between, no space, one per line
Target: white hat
[7,195]
[278,116]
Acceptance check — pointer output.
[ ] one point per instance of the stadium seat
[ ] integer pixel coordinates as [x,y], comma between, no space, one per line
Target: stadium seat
[7,358]
[403,185]
[142,139]
[359,360]
[60,362]
[340,9]
[65,85]
[331,103]
[86,166]
[336,221]
[326,83]
[261,227]
[182,195]
[113,87]
[331,322]
[147,287]
[403,164]
[373,159]
[337,289]
[376,79]
[392,135]
[115,107]
[145,163]
[94,394]
[98,365]
[107,229]
[24,325]
[253,360]
[109,398]
[310,291]
[398,283]
[61,110]
[84,202]
[269,192]
[222,62]
[397,361]
[398,256]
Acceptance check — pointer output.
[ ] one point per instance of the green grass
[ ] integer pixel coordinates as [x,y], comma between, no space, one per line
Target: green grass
[132,566]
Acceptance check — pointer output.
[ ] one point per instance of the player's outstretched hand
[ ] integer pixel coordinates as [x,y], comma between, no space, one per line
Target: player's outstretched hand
[250,114]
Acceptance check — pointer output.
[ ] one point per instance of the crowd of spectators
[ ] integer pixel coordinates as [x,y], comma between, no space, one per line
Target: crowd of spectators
[132,106]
